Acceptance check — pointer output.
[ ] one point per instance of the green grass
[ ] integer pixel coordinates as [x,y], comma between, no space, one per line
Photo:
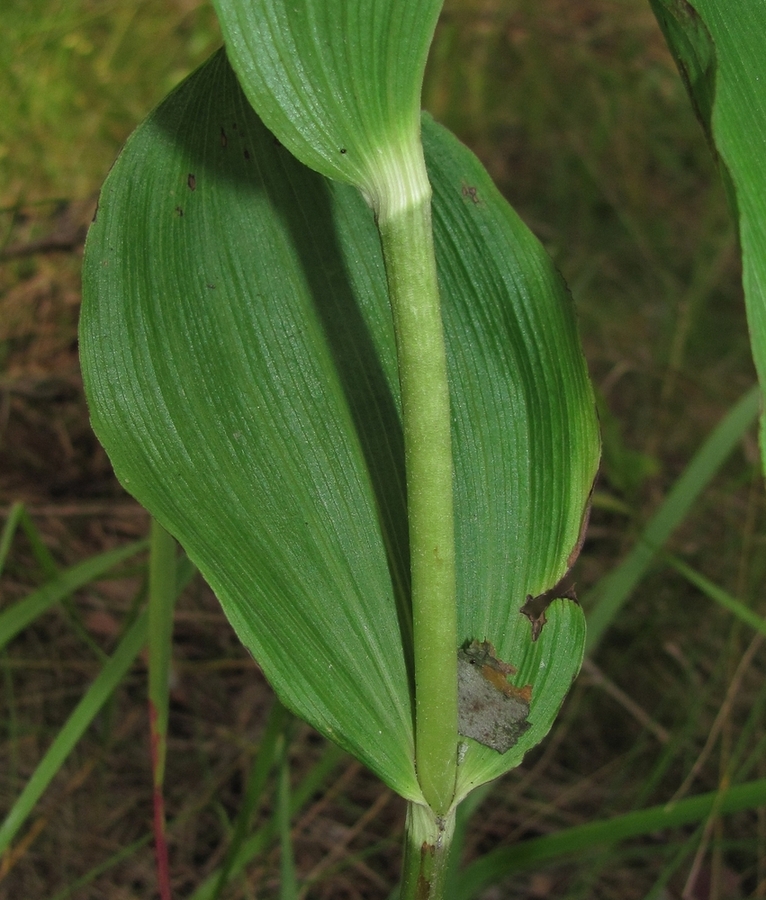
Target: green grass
[577,111]
[76,77]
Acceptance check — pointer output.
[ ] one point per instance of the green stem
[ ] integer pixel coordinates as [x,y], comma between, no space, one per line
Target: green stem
[428,839]
[162,598]
[408,252]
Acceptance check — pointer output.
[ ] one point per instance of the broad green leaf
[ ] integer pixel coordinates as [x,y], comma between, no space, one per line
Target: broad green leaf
[736,38]
[549,665]
[337,82]
[694,52]
[239,361]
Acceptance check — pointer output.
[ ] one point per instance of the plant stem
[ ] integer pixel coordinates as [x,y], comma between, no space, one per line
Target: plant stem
[162,598]
[428,839]
[408,252]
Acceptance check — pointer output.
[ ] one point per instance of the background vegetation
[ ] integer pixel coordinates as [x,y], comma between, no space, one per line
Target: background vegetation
[577,111]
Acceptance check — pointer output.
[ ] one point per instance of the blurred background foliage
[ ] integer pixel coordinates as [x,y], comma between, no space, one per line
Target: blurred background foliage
[576,109]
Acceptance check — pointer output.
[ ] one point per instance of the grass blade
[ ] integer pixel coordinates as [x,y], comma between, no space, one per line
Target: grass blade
[259,772]
[288,883]
[9,529]
[719,596]
[19,517]
[15,619]
[528,854]
[115,859]
[83,714]
[260,839]
[607,598]
[41,552]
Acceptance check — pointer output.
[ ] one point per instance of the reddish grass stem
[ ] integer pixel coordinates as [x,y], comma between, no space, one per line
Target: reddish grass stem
[158,802]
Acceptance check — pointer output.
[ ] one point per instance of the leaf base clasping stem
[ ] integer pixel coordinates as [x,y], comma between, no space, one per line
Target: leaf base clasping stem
[428,839]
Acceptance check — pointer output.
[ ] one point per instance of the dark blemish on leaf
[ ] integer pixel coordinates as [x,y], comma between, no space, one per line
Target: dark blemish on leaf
[95,213]
[247,153]
[343,150]
[234,125]
[471,193]
[534,607]
[491,710]
[224,139]
[179,212]
[211,287]
[192,182]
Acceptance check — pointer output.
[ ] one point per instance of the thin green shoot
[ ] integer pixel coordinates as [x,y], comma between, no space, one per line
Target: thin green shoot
[73,729]
[257,842]
[610,594]
[263,762]
[718,595]
[658,890]
[19,517]
[9,530]
[288,880]
[163,590]
[501,863]
[114,860]
[51,571]
[17,617]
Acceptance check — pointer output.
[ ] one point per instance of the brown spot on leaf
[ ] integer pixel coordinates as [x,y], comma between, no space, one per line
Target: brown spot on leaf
[469,191]
[224,138]
[192,182]
[491,710]
[534,607]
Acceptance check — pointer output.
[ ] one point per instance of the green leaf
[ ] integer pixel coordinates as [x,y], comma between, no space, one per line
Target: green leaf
[239,360]
[338,83]
[694,52]
[549,665]
[736,33]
